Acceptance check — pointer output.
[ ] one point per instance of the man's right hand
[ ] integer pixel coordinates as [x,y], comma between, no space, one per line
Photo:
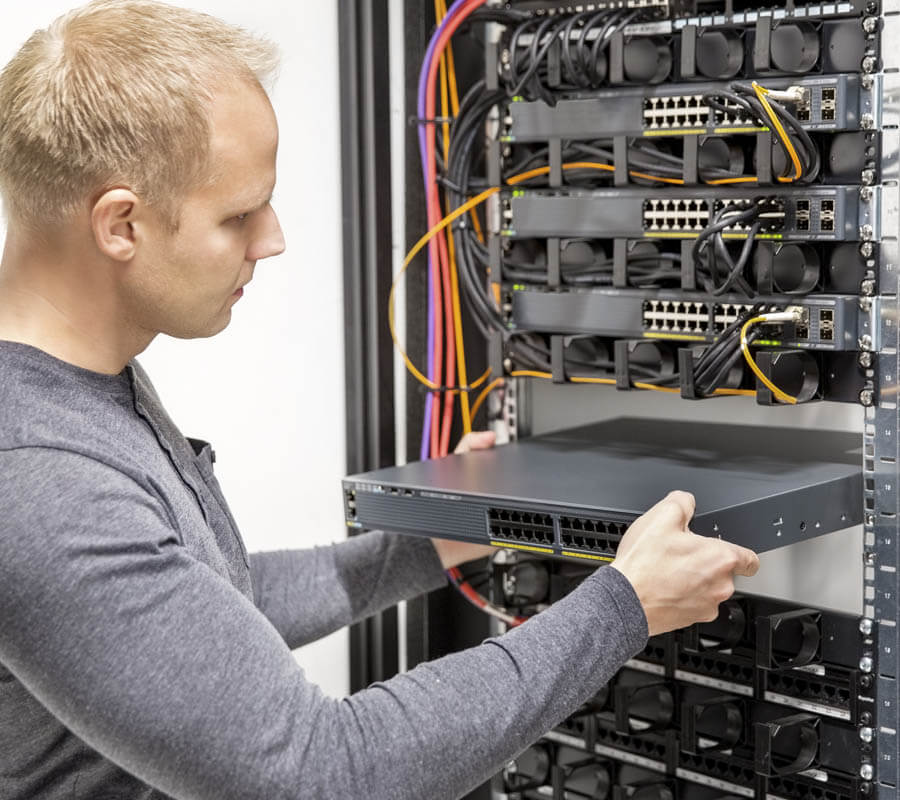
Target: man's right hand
[679,577]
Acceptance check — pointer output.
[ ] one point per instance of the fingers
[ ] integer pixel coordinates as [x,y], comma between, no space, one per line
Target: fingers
[748,562]
[676,509]
[475,440]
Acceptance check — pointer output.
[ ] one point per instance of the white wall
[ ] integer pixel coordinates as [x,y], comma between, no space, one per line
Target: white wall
[268,392]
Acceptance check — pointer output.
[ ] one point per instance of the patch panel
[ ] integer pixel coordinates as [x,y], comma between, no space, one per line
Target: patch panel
[664,214]
[832,320]
[830,104]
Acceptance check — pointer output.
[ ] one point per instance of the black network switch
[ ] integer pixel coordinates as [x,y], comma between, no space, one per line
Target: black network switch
[574,492]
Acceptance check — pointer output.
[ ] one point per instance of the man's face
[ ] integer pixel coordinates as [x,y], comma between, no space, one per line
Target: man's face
[185,283]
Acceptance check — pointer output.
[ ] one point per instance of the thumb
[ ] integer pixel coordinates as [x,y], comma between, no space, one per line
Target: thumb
[676,509]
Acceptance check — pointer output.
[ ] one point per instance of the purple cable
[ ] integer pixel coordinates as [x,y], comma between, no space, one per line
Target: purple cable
[420,112]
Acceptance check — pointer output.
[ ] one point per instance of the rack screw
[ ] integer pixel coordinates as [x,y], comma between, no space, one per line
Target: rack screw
[869,63]
[869,557]
[867,82]
[865,718]
[870,521]
[867,772]
[867,122]
[866,249]
[865,342]
[865,359]
[870,24]
[866,232]
[865,193]
[867,397]
[867,287]
[865,303]
[868,176]
[866,626]
[866,734]
[866,664]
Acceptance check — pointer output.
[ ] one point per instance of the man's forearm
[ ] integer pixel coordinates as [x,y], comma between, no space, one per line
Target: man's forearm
[307,594]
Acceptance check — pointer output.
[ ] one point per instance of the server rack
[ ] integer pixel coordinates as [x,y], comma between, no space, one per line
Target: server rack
[524,406]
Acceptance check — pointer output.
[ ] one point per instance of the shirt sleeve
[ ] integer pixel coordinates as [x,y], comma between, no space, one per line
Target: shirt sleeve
[307,594]
[164,668]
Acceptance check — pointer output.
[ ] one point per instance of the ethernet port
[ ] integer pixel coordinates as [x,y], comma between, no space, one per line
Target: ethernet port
[826,224]
[801,332]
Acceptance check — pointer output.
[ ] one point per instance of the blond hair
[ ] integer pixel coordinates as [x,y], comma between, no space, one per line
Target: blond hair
[117,93]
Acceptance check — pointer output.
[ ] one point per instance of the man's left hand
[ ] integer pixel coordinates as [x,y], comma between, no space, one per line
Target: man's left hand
[452,552]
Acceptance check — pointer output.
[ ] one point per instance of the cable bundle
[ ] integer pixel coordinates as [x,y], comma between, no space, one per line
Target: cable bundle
[582,40]
[444,318]
[714,366]
[759,105]
[710,251]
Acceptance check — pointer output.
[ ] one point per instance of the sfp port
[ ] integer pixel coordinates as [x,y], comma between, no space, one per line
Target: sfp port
[829,103]
[826,315]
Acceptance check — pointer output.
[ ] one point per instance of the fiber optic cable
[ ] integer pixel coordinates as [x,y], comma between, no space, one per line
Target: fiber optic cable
[786,316]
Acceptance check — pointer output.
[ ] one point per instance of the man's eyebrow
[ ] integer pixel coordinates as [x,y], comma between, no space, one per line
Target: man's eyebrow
[264,203]
[248,206]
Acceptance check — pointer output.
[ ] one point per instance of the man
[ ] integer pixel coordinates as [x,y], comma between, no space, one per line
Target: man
[143,653]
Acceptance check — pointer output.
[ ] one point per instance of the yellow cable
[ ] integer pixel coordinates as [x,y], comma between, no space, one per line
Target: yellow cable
[741,179]
[652,387]
[761,93]
[484,393]
[605,381]
[745,349]
[531,373]
[451,217]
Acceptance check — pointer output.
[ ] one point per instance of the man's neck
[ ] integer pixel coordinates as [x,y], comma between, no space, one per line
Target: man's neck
[63,309]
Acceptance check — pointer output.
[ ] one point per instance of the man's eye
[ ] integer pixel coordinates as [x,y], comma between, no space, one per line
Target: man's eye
[242,217]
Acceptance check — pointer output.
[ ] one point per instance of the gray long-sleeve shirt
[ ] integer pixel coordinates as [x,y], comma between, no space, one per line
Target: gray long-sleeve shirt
[143,654]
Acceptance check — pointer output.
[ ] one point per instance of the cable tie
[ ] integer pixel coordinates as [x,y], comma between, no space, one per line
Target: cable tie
[447,389]
[413,120]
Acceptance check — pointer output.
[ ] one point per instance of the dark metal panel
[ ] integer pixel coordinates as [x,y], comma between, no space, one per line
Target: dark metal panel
[366,213]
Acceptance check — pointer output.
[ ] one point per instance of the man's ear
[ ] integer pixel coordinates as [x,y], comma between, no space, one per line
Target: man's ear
[112,221]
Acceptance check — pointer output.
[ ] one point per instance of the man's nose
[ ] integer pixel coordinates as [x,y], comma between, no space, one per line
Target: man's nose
[270,241]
